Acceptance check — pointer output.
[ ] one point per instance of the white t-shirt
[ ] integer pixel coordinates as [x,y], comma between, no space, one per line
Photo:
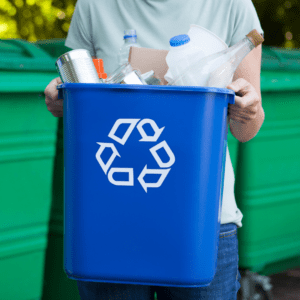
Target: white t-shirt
[98,26]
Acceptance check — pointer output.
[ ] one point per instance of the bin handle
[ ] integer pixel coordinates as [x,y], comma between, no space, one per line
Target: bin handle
[31,49]
[60,91]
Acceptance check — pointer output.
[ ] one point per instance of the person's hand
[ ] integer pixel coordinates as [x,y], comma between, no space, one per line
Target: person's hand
[54,105]
[247,102]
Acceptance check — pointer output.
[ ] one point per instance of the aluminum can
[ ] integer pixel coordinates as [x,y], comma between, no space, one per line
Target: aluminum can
[77,66]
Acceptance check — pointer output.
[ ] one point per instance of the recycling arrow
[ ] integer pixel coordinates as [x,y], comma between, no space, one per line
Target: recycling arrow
[145,185]
[165,166]
[164,145]
[115,153]
[122,140]
[145,137]
[121,170]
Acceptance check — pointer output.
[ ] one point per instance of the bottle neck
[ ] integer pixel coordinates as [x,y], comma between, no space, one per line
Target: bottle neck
[130,40]
[241,49]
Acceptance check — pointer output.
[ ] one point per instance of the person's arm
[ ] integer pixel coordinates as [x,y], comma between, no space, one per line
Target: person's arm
[247,114]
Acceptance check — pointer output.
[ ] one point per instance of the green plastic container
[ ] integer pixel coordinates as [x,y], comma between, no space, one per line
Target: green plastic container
[27,149]
[267,185]
[54,47]
[57,286]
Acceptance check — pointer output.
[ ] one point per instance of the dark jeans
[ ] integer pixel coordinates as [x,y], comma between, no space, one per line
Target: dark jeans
[224,286]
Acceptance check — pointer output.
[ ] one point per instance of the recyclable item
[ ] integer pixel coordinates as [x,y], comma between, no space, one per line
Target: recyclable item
[204,39]
[98,62]
[188,48]
[182,50]
[153,81]
[147,59]
[77,66]
[126,75]
[130,40]
[148,74]
[217,70]
[150,78]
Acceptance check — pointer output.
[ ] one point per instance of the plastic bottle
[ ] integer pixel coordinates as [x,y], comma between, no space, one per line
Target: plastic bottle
[130,40]
[217,70]
[206,40]
[126,75]
[178,58]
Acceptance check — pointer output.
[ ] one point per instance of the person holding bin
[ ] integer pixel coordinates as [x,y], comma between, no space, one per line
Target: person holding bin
[97,26]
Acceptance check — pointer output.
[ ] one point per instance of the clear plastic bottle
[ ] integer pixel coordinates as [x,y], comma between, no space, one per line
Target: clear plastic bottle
[217,70]
[130,40]
[178,58]
[126,75]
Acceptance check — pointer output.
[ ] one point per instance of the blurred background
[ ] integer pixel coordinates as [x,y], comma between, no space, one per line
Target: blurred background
[31,155]
[34,20]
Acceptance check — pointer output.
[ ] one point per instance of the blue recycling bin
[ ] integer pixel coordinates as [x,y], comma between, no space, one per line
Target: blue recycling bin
[144,169]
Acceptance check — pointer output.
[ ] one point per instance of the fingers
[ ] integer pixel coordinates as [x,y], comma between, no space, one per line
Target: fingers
[240,85]
[57,114]
[250,99]
[51,91]
[54,105]
[242,115]
[58,80]
[247,94]
[236,121]
[252,109]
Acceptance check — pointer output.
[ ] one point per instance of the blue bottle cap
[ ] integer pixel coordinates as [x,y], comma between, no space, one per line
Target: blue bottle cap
[129,33]
[179,40]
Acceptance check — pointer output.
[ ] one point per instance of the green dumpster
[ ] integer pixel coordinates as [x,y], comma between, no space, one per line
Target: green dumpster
[267,186]
[56,283]
[57,286]
[27,149]
[54,47]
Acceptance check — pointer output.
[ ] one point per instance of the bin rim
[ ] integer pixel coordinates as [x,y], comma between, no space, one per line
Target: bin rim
[195,89]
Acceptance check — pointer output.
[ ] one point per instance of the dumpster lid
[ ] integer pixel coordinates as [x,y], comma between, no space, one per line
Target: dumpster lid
[20,55]
[280,59]
[54,47]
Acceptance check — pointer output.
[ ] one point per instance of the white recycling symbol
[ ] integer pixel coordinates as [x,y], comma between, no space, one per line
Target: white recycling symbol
[165,167]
